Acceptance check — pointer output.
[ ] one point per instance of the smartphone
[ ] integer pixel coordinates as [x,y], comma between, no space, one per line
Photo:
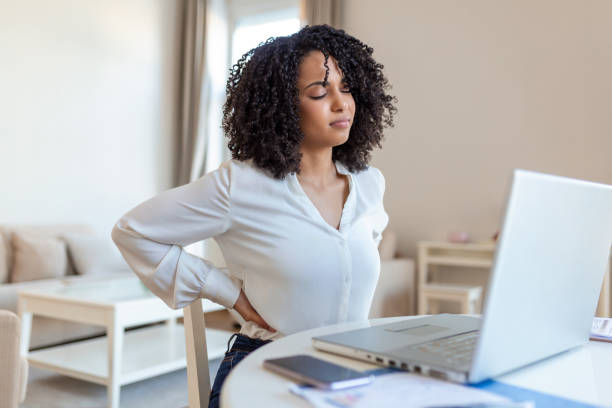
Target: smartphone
[321,374]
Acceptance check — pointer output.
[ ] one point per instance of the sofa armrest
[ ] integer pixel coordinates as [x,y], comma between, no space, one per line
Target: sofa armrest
[11,379]
[395,293]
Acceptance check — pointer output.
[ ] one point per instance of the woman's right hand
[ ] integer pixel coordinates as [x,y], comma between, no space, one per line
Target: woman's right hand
[248,313]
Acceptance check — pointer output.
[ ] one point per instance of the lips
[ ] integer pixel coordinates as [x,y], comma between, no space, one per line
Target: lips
[341,123]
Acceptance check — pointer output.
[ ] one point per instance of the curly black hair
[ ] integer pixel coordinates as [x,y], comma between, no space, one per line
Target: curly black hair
[261,113]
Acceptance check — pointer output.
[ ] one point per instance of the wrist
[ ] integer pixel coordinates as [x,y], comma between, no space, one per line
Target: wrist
[239,300]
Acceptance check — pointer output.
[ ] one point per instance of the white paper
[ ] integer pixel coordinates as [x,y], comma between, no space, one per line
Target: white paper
[398,390]
[602,328]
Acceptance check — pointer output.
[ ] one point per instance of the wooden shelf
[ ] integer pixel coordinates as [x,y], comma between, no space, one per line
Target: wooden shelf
[460,261]
[467,255]
[469,246]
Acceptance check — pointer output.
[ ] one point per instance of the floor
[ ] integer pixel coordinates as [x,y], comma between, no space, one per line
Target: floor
[47,389]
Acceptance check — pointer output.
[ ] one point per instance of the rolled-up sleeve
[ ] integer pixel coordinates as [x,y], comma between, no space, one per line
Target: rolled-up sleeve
[152,237]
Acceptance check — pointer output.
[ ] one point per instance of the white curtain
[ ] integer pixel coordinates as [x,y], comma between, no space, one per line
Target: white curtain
[193,51]
[204,67]
[313,12]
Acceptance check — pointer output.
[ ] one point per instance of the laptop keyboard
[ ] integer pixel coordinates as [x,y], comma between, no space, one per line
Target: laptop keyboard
[455,349]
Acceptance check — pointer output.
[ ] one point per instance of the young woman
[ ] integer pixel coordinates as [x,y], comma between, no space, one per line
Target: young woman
[297,212]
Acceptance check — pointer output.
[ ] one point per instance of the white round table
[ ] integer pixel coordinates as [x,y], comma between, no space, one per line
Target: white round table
[582,374]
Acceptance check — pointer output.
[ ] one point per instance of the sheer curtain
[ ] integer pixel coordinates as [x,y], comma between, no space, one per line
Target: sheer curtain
[204,66]
[200,142]
[313,12]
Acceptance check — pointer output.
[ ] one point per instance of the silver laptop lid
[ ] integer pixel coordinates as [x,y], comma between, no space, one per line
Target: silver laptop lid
[556,235]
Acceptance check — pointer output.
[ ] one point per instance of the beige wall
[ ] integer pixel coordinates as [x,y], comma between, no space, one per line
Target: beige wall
[88,92]
[484,87]
[87,107]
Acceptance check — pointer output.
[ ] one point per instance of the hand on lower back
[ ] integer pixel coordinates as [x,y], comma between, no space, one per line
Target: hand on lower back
[248,313]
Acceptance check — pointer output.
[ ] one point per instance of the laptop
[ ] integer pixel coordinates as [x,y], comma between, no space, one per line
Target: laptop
[547,273]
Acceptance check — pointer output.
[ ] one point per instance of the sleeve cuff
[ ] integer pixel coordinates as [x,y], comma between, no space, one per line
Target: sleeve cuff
[221,288]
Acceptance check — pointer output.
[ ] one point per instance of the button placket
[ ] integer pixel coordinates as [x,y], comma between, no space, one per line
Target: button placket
[346,280]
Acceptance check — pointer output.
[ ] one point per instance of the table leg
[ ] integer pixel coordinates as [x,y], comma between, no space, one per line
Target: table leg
[421,279]
[26,329]
[171,323]
[115,351]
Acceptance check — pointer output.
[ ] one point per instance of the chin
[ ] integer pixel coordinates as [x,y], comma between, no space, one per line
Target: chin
[344,140]
[341,136]
[340,140]
[331,139]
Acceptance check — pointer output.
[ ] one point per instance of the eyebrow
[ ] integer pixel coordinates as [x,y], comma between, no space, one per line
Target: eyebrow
[322,83]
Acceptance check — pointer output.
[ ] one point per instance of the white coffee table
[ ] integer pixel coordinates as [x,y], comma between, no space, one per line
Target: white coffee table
[118,358]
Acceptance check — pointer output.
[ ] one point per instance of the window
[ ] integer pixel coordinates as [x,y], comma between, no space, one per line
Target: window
[253,25]
[250,23]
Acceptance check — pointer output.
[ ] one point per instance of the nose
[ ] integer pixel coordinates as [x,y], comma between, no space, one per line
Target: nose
[340,102]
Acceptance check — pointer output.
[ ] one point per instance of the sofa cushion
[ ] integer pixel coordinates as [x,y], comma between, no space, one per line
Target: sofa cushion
[46,230]
[92,255]
[4,275]
[37,257]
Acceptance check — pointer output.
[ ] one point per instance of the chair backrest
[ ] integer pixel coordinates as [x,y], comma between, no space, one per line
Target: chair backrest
[12,388]
[198,377]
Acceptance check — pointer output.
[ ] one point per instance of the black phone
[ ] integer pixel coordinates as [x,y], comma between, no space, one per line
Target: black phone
[319,373]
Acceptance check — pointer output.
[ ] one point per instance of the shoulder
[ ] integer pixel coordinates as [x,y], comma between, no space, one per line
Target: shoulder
[244,177]
[232,170]
[244,170]
[370,179]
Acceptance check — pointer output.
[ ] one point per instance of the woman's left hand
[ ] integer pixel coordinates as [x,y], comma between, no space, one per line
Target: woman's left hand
[248,312]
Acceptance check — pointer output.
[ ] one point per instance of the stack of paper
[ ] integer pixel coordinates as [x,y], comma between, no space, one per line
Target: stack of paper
[602,329]
[399,390]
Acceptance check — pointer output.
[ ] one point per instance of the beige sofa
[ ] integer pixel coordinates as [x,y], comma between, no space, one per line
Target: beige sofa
[14,368]
[395,293]
[47,331]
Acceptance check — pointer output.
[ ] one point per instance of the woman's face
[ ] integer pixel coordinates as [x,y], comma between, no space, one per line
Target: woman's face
[326,110]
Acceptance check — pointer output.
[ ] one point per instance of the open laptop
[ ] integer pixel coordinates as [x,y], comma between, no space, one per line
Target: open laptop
[547,274]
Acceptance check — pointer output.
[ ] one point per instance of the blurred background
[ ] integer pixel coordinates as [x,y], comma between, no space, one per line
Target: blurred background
[92,101]
[106,103]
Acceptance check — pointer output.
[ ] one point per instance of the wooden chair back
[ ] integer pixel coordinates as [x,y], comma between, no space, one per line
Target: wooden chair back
[198,377]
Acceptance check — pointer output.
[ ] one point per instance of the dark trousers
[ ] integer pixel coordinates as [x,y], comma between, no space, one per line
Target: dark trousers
[240,349]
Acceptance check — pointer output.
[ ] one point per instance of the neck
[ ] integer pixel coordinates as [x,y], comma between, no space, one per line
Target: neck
[317,168]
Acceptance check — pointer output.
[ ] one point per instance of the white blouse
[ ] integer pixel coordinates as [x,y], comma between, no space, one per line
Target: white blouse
[297,271]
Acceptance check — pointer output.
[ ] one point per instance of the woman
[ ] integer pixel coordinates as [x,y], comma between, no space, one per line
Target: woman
[297,212]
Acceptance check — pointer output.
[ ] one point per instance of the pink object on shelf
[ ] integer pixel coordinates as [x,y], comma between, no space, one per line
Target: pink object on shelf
[458,237]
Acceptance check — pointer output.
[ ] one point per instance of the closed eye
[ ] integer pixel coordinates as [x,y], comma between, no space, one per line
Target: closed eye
[318,97]
[345,89]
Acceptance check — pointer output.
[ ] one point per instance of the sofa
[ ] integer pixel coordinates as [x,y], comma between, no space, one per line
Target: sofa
[91,257]
[395,293]
[68,253]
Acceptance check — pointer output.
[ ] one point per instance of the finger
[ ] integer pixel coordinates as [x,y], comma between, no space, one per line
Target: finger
[248,312]
[262,323]
[268,327]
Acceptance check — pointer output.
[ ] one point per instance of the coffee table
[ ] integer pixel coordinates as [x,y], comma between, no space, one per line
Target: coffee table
[121,357]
